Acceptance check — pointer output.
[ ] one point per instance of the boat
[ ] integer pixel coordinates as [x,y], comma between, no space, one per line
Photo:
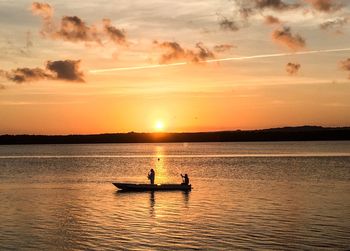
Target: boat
[150,187]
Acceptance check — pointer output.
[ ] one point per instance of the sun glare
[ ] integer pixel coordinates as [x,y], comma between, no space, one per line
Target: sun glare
[159,125]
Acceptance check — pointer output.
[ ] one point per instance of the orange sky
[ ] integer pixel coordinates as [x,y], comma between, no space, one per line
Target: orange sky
[49,51]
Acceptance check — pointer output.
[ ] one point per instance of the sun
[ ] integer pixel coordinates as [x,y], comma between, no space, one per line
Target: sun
[159,125]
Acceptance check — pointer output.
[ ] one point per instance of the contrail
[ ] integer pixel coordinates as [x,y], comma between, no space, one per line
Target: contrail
[217,60]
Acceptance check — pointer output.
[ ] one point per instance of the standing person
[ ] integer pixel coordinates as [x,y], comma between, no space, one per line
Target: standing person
[151,176]
[185,179]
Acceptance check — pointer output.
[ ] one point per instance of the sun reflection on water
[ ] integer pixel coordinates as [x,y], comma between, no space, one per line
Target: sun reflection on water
[162,174]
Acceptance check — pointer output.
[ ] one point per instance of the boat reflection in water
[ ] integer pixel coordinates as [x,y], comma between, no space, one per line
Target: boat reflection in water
[159,202]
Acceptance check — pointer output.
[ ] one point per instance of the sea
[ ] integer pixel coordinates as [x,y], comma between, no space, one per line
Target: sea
[245,196]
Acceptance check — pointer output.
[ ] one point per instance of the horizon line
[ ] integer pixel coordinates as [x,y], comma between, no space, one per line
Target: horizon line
[183,132]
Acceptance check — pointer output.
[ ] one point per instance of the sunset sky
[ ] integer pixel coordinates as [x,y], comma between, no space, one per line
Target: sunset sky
[288,64]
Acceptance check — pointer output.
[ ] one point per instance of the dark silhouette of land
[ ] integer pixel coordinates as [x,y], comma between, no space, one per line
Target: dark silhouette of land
[301,133]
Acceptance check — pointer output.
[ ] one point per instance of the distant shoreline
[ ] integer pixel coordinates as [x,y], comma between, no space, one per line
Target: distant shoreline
[301,133]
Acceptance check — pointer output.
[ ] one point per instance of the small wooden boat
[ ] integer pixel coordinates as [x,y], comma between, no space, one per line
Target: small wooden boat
[149,187]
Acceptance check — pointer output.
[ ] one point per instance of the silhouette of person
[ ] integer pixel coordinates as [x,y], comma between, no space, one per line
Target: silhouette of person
[185,179]
[151,176]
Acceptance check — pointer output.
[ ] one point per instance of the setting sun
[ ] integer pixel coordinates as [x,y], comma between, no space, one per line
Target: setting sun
[159,125]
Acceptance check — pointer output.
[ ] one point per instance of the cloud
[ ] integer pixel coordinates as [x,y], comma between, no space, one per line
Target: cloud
[67,70]
[246,12]
[223,47]
[345,65]
[336,23]
[176,52]
[292,68]
[325,5]
[275,5]
[21,75]
[285,37]
[226,24]
[203,52]
[116,35]
[270,20]
[74,29]
[245,9]
[43,10]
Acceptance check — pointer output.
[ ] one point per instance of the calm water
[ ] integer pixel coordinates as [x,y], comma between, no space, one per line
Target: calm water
[287,196]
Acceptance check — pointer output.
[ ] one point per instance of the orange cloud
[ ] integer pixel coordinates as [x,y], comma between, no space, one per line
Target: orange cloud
[272,20]
[174,51]
[115,35]
[325,5]
[285,37]
[43,10]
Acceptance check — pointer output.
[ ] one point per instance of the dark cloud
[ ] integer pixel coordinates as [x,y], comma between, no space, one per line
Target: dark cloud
[275,5]
[285,37]
[345,65]
[292,68]
[174,51]
[230,25]
[325,5]
[247,8]
[272,20]
[67,70]
[74,29]
[21,75]
[336,23]
[223,47]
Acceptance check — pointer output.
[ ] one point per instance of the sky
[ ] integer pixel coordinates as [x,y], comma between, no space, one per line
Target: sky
[81,67]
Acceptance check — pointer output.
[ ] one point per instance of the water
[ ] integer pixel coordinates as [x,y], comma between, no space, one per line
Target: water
[287,196]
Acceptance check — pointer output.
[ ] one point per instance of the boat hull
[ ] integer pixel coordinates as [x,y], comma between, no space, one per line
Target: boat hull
[149,187]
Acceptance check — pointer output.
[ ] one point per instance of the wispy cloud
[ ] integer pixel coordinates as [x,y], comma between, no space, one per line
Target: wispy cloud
[334,24]
[223,47]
